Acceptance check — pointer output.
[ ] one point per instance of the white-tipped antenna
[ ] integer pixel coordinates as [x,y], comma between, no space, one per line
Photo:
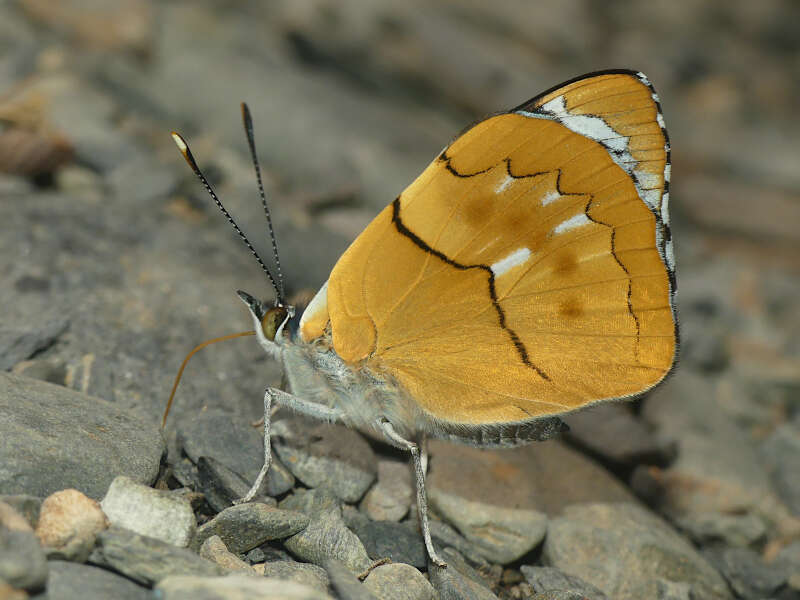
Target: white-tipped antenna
[187,154]
[248,128]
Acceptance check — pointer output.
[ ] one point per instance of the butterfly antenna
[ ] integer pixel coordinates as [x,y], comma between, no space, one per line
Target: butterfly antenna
[248,128]
[187,154]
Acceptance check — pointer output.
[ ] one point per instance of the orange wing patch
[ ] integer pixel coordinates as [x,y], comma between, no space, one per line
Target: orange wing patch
[525,273]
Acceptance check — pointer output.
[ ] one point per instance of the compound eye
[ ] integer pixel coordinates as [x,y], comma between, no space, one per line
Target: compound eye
[271,320]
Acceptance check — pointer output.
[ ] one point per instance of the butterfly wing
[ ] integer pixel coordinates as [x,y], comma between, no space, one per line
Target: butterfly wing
[528,271]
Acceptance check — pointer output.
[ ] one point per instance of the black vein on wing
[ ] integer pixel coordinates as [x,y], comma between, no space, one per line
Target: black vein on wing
[403,230]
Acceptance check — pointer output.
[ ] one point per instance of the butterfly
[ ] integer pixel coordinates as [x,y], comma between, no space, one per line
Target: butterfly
[528,272]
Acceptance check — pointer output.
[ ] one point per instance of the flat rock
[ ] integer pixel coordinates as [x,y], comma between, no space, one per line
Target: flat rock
[399,582]
[154,513]
[395,541]
[499,499]
[392,496]
[235,587]
[56,438]
[325,455]
[628,553]
[147,560]
[245,526]
[69,580]
[18,344]
[232,440]
[326,537]
[550,579]
[68,524]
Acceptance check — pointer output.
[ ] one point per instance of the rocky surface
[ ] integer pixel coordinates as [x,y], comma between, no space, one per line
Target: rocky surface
[115,264]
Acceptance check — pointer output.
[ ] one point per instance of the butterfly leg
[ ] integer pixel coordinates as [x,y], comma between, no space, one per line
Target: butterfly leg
[298,405]
[422,503]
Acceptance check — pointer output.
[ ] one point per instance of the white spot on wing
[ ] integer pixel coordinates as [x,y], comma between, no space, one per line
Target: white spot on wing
[550,197]
[514,259]
[504,184]
[578,220]
[665,208]
[660,121]
[667,172]
[318,302]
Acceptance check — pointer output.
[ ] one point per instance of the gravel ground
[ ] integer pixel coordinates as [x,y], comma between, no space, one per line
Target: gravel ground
[114,264]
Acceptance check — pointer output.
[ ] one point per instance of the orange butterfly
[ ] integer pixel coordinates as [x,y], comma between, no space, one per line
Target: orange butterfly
[528,272]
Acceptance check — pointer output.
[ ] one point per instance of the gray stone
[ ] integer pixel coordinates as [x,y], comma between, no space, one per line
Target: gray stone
[458,581]
[147,560]
[395,541]
[399,582]
[68,525]
[67,581]
[392,496]
[154,513]
[613,433]
[235,587]
[22,561]
[748,575]
[626,551]
[542,477]
[498,500]
[781,452]
[345,583]
[232,441]
[324,455]
[326,537]
[732,530]
[717,468]
[55,438]
[290,570]
[245,526]
[18,344]
[550,579]
[214,549]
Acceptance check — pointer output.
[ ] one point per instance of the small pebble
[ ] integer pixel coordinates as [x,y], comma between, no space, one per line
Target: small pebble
[399,582]
[246,526]
[214,549]
[68,524]
[391,497]
[326,537]
[154,513]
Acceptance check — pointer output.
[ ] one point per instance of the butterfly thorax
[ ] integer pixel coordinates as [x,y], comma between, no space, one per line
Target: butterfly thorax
[316,373]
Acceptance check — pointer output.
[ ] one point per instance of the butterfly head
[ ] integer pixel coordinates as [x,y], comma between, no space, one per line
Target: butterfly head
[269,322]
